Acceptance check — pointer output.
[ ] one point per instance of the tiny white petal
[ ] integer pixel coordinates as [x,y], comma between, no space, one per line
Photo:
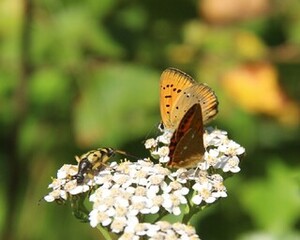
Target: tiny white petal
[197,199]
[49,198]
[176,211]
[150,143]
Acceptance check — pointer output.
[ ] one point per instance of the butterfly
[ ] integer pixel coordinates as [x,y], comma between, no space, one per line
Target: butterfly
[185,107]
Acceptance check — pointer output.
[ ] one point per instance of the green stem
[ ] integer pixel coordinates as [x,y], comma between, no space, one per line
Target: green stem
[105,234]
[79,209]
[160,216]
[187,217]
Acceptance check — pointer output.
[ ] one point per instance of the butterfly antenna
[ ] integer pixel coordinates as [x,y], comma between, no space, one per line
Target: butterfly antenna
[156,126]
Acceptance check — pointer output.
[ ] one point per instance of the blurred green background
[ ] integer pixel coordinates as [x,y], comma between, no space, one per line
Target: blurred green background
[76,75]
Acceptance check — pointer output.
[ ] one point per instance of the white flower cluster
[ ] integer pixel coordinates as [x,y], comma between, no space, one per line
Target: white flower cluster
[125,193]
[221,153]
[63,185]
[133,189]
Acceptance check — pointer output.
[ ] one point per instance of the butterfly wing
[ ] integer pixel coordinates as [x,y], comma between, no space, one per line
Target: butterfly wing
[186,147]
[172,83]
[196,94]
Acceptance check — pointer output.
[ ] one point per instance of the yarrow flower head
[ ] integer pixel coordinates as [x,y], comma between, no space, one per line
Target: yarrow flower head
[222,156]
[126,195]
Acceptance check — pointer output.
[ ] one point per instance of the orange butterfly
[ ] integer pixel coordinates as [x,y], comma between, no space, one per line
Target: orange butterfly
[185,107]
